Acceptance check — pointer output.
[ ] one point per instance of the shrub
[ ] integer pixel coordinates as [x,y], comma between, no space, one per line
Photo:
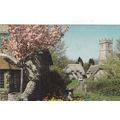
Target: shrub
[104,86]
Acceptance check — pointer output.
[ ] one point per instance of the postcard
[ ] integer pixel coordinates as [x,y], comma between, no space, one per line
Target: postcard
[59,62]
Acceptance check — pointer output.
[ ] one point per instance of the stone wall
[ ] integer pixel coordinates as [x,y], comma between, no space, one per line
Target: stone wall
[3,96]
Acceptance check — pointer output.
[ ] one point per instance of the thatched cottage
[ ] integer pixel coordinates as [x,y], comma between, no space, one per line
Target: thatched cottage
[10,76]
[75,71]
[95,71]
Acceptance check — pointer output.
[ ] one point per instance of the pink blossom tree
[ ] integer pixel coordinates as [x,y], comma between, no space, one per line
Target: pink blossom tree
[25,39]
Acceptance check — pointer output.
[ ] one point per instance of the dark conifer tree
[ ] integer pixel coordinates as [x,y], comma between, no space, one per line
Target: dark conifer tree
[91,62]
[80,61]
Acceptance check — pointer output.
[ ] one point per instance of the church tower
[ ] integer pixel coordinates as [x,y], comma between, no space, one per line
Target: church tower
[106,49]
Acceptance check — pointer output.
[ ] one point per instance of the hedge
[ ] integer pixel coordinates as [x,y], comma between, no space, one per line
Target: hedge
[104,86]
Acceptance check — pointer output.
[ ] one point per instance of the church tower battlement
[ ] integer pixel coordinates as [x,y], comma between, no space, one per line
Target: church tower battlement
[106,49]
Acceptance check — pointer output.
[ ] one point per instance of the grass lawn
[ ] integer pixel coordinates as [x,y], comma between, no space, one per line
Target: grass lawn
[95,97]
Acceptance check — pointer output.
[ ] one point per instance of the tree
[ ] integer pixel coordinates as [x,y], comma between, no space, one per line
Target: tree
[25,39]
[59,56]
[80,61]
[91,62]
[112,67]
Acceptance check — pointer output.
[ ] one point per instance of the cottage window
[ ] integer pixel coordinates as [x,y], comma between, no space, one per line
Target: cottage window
[1,79]
[15,81]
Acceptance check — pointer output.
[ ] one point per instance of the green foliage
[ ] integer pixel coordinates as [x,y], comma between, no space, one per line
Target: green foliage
[59,79]
[112,67]
[73,84]
[60,61]
[76,87]
[95,97]
[109,84]
[86,66]
[104,86]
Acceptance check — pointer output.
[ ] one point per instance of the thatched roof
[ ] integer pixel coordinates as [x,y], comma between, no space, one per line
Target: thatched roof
[74,68]
[94,69]
[8,62]
[9,56]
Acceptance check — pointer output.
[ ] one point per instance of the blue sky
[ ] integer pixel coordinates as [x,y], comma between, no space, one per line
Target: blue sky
[83,40]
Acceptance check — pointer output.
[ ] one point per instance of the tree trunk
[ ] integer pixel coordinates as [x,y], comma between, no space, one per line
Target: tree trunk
[28,90]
